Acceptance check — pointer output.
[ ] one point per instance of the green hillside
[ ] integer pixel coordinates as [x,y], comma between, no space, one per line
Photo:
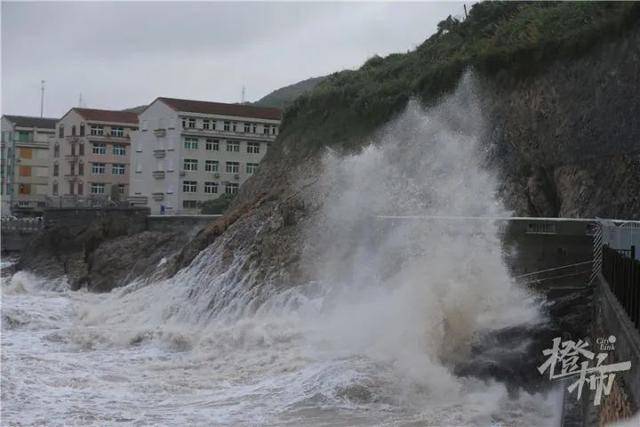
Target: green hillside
[519,38]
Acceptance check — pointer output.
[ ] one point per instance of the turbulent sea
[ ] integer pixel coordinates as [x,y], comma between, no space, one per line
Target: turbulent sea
[373,340]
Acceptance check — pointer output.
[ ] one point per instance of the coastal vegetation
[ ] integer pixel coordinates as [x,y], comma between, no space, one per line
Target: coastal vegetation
[497,39]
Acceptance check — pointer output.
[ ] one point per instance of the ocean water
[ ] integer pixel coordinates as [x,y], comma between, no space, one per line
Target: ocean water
[373,340]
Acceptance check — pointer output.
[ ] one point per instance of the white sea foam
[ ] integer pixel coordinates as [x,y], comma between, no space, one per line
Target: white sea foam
[371,341]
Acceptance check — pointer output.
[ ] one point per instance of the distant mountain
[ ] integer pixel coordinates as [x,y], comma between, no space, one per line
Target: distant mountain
[281,98]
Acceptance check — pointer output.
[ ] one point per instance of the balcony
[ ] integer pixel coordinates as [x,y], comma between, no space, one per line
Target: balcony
[72,138]
[221,133]
[158,174]
[160,132]
[159,153]
[158,197]
[108,137]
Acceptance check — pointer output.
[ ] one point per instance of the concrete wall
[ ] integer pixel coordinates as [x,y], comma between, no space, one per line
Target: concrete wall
[178,222]
[611,319]
[535,244]
[131,220]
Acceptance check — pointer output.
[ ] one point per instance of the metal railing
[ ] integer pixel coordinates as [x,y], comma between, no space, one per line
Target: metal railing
[622,272]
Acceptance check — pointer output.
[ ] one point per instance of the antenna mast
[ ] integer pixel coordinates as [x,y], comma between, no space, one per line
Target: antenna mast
[41,98]
[243,92]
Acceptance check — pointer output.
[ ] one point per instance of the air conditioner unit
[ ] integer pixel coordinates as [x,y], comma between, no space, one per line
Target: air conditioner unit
[183,173]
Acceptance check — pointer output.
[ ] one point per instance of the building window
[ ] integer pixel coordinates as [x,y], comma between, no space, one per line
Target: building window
[211,187]
[97,188]
[274,130]
[73,149]
[211,166]
[24,189]
[119,150]
[231,188]
[81,149]
[212,145]
[190,164]
[56,169]
[24,136]
[266,129]
[205,124]
[121,188]
[97,168]
[73,130]
[97,130]
[227,126]
[56,150]
[189,186]
[252,168]
[233,167]
[26,153]
[61,131]
[234,126]
[191,143]
[72,169]
[117,169]
[25,170]
[253,147]
[55,188]
[233,147]
[80,188]
[213,125]
[72,187]
[82,129]
[247,127]
[189,204]
[118,132]
[254,128]
[99,149]
[192,123]
[81,169]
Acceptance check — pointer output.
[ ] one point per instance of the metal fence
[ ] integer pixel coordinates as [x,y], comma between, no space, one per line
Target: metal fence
[621,235]
[621,269]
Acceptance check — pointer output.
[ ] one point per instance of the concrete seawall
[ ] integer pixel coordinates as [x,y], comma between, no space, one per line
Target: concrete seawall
[166,223]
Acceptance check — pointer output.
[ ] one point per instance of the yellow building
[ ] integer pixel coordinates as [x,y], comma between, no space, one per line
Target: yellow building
[25,163]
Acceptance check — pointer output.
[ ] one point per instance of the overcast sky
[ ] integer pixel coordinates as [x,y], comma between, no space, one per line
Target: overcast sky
[123,54]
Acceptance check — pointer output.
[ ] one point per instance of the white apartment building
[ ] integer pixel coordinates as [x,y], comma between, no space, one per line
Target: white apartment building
[188,152]
[91,153]
[24,168]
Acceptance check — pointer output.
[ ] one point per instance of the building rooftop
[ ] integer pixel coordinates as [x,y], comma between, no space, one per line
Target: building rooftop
[32,122]
[238,110]
[107,115]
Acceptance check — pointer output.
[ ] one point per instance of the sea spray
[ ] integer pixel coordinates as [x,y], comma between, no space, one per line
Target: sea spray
[373,338]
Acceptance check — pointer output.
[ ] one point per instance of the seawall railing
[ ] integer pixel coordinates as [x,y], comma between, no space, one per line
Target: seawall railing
[621,270]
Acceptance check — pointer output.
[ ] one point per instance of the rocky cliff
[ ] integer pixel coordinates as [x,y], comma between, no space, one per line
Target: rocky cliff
[564,131]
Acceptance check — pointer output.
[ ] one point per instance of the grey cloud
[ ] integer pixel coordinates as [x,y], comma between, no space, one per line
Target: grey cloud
[124,54]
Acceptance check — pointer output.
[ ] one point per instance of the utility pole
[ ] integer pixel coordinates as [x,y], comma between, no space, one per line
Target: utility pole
[41,98]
